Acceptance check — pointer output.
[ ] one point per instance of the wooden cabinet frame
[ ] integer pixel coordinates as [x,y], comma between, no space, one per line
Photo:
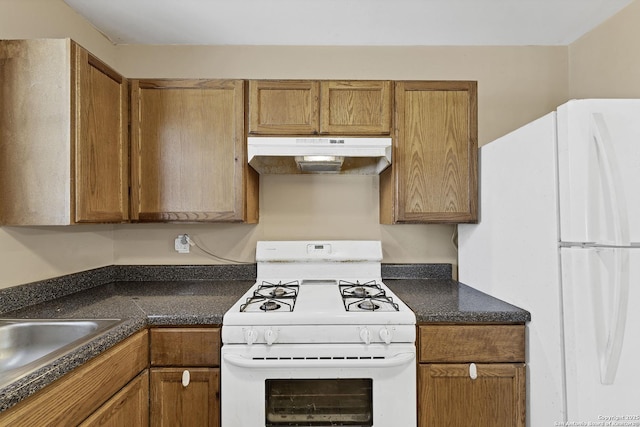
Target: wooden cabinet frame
[433,176]
[75,396]
[355,107]
[64,133]
[188,152]
[323,107]
[287,107]
[101,134]
[174,351]
[449,396]
[471,375]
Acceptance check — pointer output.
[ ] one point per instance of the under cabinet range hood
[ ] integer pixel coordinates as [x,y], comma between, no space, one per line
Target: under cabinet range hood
[337,155]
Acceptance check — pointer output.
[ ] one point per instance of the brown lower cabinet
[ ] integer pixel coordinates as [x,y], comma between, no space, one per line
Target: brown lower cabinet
[79,394]
[174,404]
[117,388]
[471,375]
[130,406]
[468,375]
[177,354]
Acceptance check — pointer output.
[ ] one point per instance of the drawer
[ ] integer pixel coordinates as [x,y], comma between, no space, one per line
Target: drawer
[185,346]
[471,343]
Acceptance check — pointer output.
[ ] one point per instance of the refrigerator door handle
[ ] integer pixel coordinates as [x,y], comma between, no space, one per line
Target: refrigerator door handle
[610,341]
[614,201]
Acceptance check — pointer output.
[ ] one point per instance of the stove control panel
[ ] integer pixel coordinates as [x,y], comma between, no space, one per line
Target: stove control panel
[323,248]
[312,334]
[384,333]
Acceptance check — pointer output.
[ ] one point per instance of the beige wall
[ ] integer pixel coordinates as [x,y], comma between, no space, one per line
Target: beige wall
[32,19]
[605,63]
[515,85]
[28,254]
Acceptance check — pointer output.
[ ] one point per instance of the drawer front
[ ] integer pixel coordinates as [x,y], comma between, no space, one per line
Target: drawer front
[472,343]
[185,346]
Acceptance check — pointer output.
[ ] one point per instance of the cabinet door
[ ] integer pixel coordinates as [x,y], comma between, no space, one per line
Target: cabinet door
[196,404]
[188,156]
[433,177]
[355,107]
[100,131]
[287,107]
[448,396]
[130,406]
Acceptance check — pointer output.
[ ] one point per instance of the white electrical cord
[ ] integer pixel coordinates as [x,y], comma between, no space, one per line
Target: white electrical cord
[192,242]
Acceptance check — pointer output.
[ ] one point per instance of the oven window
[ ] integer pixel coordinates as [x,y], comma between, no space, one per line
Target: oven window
[319,402]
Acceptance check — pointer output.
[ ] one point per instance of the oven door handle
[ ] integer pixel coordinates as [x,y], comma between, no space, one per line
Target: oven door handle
[290,363]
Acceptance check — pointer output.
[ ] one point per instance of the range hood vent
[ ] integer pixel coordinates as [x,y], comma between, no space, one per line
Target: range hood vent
[336,155]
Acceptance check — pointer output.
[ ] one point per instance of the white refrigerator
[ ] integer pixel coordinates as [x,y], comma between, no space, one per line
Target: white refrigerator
[559,235]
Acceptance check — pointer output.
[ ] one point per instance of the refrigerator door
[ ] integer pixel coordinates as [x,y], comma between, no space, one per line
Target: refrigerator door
[602,327]
[512,253]
[599,171]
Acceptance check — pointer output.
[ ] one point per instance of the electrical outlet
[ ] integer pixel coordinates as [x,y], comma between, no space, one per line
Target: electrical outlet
[182,244]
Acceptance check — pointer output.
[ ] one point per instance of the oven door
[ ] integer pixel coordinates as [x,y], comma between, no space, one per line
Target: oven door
[318,385]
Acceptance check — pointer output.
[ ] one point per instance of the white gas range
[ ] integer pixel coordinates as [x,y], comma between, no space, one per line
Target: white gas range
[319,339]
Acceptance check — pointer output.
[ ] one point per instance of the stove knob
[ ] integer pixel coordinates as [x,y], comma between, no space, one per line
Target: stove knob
[270,336]
[250,336]
[365,335]
[385,335]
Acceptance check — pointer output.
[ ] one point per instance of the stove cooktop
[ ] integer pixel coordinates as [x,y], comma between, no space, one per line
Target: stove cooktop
[310,292]
[290,302]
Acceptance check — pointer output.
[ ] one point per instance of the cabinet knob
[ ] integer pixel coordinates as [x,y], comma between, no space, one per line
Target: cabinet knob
[473,371]
[186,378]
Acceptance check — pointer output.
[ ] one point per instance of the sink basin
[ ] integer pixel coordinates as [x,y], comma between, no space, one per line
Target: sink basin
[28,344]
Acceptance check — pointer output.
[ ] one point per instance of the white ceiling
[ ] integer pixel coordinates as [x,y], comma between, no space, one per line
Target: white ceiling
[346,22]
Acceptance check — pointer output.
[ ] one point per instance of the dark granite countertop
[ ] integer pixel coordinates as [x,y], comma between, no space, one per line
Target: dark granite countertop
[449,301]
[199,295]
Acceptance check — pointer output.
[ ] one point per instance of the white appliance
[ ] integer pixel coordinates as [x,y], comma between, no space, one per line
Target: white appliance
[559,235]
[291,155]
[318,340]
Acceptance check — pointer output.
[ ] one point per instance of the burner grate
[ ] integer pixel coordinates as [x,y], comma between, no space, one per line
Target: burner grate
[273,297]
[367,296]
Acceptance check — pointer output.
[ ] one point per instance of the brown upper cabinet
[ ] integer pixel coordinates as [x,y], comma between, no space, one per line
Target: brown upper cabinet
[433,174]
[307,107]
[188,154]
[63,136]
[283,107]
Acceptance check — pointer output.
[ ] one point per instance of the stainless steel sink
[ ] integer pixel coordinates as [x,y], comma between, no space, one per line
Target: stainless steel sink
[29,344]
